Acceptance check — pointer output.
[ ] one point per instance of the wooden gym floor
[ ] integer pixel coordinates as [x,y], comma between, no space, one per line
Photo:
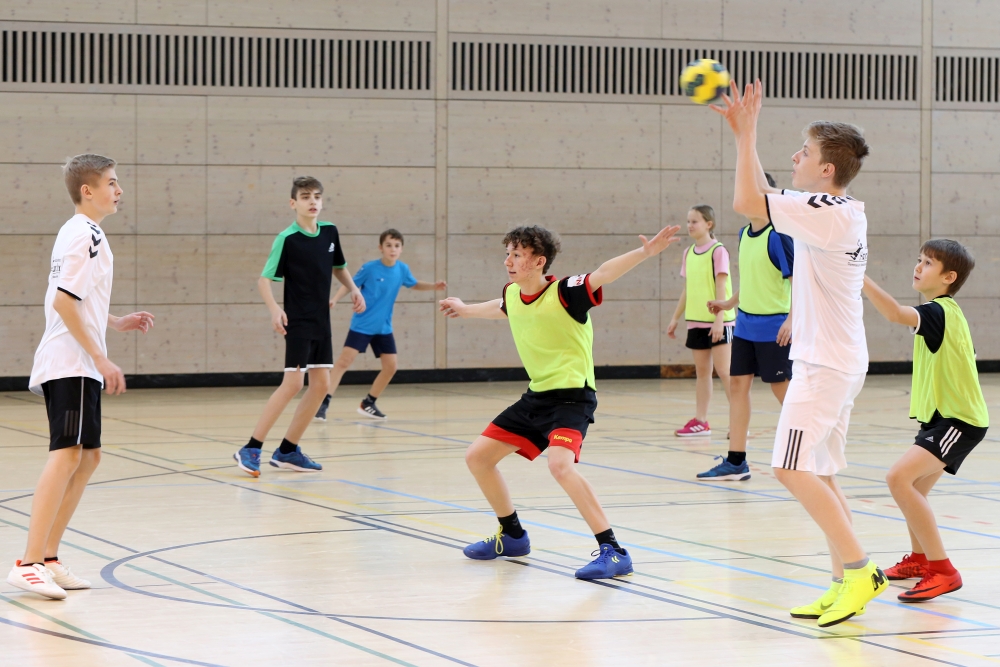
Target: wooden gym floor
[195,563]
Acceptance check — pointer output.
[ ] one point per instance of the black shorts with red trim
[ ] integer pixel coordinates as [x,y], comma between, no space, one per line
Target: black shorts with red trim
[557,418]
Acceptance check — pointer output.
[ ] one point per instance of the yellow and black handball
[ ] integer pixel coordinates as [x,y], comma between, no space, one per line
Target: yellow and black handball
[704,81]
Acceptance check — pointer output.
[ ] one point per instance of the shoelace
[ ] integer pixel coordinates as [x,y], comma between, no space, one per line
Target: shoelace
[496,536]
[603,554]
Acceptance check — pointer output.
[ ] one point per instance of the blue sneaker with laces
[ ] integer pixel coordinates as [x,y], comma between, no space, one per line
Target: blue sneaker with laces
[498,544]
[726,472]
[248,460]
[608,564]
[294,461]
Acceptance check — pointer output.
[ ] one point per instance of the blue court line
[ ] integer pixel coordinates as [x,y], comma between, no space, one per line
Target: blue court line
[954,530]
[666,553]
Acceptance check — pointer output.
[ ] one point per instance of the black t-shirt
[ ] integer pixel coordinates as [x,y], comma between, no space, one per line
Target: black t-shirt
[575,296]
[305,263]
[931,325]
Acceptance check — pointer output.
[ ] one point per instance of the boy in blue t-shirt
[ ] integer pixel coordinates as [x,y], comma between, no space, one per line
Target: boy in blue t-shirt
[379,281]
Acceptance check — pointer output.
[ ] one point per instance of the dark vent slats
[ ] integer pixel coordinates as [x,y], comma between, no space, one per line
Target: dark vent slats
[631,70]
[33,56]
[972,79]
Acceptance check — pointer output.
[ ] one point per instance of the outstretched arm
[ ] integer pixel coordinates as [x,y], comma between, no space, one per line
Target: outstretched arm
[615,268]
[487,310]
[888,306]
[423,286]
[751,187]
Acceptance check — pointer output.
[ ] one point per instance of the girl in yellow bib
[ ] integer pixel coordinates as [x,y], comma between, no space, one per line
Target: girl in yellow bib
[705,268]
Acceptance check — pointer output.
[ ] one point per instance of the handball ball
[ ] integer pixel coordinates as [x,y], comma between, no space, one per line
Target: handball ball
[704,81]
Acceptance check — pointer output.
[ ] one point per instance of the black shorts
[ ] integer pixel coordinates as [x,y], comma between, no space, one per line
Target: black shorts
[701,339]
[74,409]
[950,440]
[768,360]
[305,353]
[539,419]
[381,343]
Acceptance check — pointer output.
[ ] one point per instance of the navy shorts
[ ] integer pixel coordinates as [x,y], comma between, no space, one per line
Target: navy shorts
[304,353]
[950,440]
[381,343]
[73,406]
[768,360]
[557,418]
[701,338]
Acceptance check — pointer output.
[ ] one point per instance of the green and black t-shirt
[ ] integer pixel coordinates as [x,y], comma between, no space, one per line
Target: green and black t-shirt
[305,263]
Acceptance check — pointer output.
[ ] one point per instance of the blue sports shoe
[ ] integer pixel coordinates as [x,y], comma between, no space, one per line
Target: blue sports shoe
[248,460]
[498,544]
[608,564]
[726,472]
[294,461]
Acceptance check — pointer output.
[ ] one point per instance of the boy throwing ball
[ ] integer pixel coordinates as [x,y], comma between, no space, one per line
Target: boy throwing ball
[554,335]
[71,367]
[947,401]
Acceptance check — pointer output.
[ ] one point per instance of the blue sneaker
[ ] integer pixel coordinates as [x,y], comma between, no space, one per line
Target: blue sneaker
[608,564]
[248,460]
[499,544]
[726,472]
[294,461]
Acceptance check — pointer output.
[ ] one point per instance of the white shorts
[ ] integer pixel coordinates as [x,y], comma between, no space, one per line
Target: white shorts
[812,429]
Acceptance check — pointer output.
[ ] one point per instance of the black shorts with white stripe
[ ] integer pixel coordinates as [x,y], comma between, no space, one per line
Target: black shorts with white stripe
[74,408]
[949,439]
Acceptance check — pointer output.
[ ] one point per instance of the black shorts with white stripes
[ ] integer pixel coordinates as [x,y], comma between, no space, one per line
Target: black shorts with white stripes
[950,440]
[74,408]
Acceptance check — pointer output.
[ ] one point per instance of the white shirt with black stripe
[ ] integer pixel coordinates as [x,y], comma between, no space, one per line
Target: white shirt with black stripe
[82,266]
[831,252]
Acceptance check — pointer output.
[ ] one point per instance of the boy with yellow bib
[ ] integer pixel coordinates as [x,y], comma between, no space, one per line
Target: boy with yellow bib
[947,401]
[550,321]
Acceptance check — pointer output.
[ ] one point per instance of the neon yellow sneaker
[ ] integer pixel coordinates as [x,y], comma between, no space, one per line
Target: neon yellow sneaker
[859,588]
[824,602]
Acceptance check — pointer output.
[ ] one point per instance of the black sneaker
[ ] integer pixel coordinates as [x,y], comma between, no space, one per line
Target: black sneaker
[321,413]
[368,409]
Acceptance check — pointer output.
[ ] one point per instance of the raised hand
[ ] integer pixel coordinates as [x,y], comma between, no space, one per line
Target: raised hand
[661,241]
[452,306]
[141,321]
[741,112]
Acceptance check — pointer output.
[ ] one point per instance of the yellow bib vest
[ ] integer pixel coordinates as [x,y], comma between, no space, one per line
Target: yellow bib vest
[556,350]
[700,289]
[947,380]
[763,290]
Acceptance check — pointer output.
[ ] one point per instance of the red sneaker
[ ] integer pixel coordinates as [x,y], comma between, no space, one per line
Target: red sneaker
[693,427]
[931,586]
[909,568]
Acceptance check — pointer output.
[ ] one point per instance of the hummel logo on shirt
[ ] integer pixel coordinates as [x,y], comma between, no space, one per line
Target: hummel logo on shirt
[332,246]
[93,253]
[96,241]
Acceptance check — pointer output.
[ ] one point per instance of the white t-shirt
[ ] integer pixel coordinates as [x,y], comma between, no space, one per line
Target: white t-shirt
[82,266]
[831,252]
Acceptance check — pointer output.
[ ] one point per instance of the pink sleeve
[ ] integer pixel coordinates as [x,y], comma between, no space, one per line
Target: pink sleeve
[720,258]
[684,260]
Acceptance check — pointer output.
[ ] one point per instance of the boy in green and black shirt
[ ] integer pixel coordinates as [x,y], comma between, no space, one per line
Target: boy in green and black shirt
[947,401]
[550,322]
[306,257]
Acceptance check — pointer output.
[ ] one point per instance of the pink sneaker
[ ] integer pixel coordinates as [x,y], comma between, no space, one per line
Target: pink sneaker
[693,427]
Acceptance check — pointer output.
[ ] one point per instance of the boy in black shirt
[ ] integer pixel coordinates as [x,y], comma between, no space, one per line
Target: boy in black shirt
[305,256]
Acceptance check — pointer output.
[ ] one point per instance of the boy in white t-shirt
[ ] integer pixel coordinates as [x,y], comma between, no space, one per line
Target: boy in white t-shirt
[829,351]
[70,366]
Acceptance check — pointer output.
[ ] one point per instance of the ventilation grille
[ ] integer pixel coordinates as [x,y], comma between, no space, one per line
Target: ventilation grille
[631,70]
[32,56]
[966,79]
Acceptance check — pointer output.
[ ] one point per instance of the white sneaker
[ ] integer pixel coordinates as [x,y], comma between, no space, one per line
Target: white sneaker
[35,579]
[64,577]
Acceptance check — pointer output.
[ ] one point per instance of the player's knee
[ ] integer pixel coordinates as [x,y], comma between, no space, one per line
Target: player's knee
[474,459]
[561,467]
[91,457]
[68,459]
[389,366]
[897,479]
[292,382]
[320,382]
